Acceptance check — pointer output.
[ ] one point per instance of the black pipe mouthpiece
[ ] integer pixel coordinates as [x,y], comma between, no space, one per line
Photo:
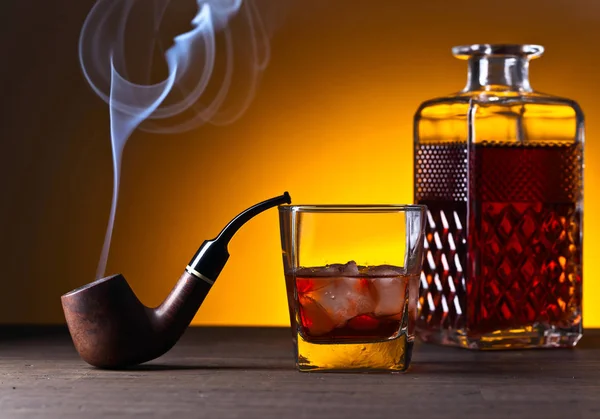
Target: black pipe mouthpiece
[209,260]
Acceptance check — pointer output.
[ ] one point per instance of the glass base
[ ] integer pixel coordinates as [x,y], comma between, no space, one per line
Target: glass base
[537,336]
[392,355]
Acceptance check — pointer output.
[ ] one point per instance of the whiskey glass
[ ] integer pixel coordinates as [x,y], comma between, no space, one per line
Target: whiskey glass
[352,281]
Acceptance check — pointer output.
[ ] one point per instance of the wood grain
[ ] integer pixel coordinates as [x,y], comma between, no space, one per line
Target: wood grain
[111,328]
[249,373]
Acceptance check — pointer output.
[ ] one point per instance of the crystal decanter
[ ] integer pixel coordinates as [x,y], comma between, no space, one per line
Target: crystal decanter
[500,168]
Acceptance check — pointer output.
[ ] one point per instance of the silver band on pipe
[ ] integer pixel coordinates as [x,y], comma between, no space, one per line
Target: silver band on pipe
[199,275]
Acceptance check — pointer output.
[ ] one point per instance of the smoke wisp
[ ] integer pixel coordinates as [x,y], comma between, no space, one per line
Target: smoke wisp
[227,45]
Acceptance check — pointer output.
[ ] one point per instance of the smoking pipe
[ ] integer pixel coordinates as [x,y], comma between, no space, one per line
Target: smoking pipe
[112,329]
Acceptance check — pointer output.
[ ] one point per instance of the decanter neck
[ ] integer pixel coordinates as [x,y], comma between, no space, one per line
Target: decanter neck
[498,73]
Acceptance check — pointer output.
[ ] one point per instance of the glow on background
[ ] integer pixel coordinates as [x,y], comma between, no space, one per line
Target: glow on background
[331,123]
[369,239]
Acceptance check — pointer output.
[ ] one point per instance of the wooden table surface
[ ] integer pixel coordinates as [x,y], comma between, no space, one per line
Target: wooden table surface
[249,373]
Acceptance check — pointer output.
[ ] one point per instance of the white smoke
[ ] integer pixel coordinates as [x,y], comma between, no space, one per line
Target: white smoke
[190,65]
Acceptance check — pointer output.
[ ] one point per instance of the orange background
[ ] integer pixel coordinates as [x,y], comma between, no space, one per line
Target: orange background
[331,123]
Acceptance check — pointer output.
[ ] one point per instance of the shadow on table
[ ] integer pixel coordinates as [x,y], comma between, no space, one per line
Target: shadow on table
[213,366]
[540,369]
[462,369]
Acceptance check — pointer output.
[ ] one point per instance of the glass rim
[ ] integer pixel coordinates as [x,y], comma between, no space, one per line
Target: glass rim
[464,52]
[364,208]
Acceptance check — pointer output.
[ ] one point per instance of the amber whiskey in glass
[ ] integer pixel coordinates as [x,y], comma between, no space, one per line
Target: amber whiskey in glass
[352,281]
